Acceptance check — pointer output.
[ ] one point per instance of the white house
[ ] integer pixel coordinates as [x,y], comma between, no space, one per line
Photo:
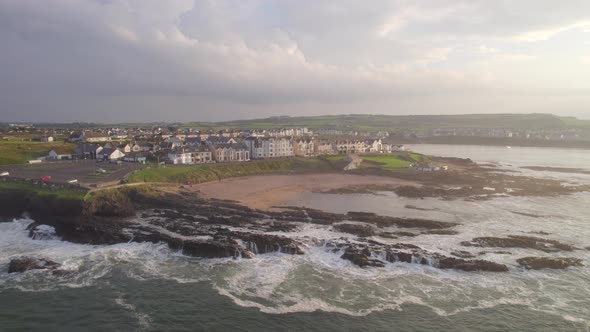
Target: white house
[190,155]
[269,147]
[304,147]
[53,155]
[374,145]
[110,154]
[230,152]
[325,147]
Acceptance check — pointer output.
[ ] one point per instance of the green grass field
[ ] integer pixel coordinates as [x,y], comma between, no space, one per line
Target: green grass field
[364,122]
[393,162]
[19,152]
[206,173]
[68,194]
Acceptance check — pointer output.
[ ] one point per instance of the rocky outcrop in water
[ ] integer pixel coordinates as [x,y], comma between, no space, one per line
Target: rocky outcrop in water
[363,230]
[361,257]
[385,221]
[538,263]
[518,241]
[23,264]
[216,228]
[376,254]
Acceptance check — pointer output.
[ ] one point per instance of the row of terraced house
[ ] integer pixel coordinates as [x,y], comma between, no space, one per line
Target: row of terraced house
[195,150]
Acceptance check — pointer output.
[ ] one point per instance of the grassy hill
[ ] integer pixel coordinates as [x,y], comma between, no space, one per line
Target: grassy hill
[392,122]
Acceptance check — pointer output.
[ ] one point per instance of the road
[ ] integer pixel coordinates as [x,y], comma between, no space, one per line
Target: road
[82,170]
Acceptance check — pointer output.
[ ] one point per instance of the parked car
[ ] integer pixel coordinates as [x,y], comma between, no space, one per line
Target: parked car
[73,181]
[46,178]
[100,170]
[4,174]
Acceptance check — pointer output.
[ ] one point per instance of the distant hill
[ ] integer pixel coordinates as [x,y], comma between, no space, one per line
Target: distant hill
[363,122]
[392,122]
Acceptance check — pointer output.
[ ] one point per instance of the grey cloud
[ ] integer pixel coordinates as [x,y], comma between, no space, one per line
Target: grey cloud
[109,59]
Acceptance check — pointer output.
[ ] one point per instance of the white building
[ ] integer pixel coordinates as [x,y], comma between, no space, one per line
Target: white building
[225,152]
[110,154]
[269,147]
[189,156]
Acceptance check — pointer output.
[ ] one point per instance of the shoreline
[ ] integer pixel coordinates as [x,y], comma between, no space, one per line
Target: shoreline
[264,192]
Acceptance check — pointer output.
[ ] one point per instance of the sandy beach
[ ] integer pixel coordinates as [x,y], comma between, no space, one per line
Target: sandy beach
[264,192]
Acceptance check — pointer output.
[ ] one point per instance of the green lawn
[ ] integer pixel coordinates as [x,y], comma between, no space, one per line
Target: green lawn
[19,152]
[206,173]
[71,194]
[393,162]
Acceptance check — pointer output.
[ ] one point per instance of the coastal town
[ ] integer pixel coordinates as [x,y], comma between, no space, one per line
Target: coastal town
[90,155]
[188,147]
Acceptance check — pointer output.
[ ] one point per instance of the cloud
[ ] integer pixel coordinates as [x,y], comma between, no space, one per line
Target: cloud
[548,33]
[91,58]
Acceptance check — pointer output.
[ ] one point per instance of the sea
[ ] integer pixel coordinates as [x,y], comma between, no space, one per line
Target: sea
[148,287]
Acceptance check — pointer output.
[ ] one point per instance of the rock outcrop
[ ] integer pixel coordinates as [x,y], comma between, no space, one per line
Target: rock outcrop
[376,254]
[23,264]
[518,241]
[538,263]
[363,230]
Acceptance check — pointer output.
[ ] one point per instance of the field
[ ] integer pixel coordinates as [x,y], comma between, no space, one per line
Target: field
[61,193]
[392,162]
[393,122]
[206,173]
[19,152]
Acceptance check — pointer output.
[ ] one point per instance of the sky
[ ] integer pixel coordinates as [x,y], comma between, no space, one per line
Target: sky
[182,60]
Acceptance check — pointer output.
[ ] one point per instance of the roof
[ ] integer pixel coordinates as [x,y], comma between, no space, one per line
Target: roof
[174,140]
[218,139]
[192,140]
[86,148]
[95,135]
[108,151]
[235,146]
[190,149]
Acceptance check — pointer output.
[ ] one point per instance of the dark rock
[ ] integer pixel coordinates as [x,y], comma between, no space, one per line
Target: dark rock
[471,265]
[23,264]
[95,231]
[540,233]
[260,243]
[537,263]
[413,207]
[498,252]
[214,249]
[361,258]
[282,226]
[444,262]
[462,254]
[361,255]
[384,221]
[517,241]
[388,235]
[364,230]
[441,232]
[41,232]
[401,233]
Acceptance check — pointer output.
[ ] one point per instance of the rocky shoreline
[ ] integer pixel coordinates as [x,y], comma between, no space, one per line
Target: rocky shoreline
[212,228]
